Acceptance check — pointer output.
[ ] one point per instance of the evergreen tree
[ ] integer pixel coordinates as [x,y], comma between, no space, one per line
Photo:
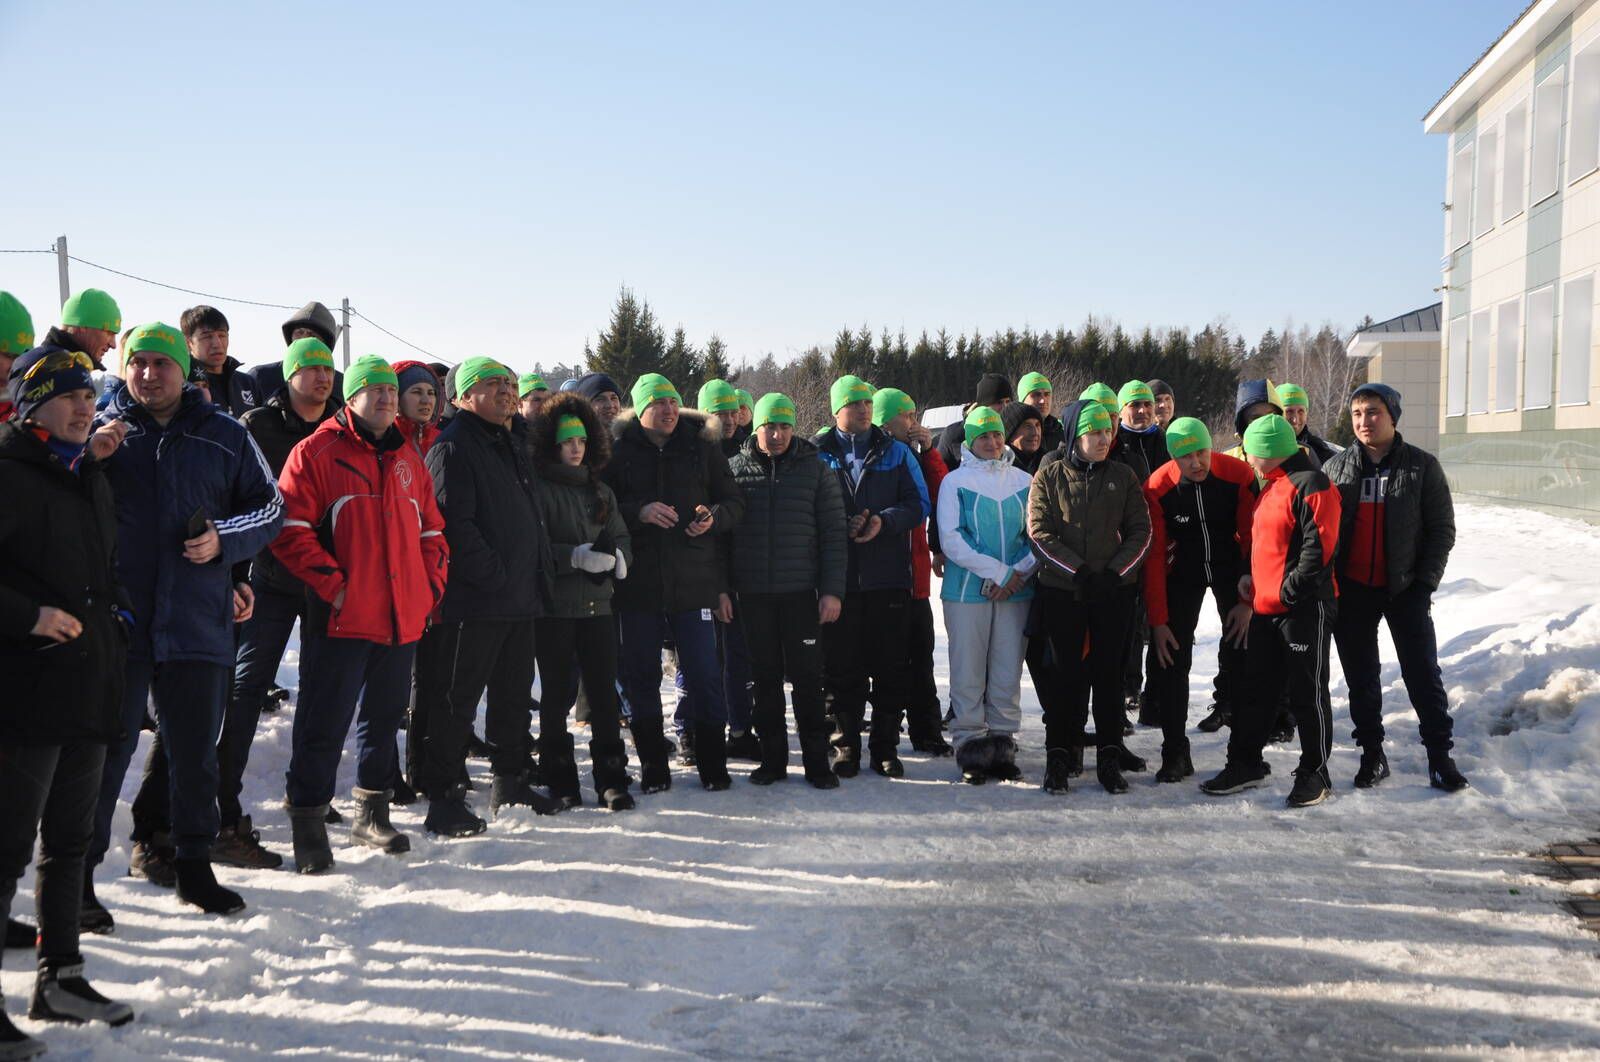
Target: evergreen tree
[681,364]
[714,366]
[631,345]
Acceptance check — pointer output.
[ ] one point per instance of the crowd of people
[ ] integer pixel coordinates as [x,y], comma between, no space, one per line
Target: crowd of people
[445,536]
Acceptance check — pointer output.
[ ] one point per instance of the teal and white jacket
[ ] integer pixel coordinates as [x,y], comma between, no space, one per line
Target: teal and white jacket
[983,527]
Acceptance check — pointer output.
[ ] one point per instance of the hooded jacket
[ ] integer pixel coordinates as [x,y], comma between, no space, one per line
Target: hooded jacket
[673,572]
[1086,517]
[1200,531]
[792,538]
[579,509]
[1417,528]
[1294,538]
[890,487]
[983,510]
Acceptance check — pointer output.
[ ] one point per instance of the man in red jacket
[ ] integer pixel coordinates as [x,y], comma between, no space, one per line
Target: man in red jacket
[363,532]
[1293,538]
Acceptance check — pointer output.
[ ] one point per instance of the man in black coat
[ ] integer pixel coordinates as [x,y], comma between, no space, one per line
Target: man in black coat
[994,391]
[63,643]
[678,498]
[233,390]
[500,569]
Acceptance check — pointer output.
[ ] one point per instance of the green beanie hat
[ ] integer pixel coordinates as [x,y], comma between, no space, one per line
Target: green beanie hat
[92,308]
[982,421]
[717,396]
[1094,417]
[888,403]
[529,382]
[1033,381]
[156,338]
[306,352]
[847,389]
[1293,395]
[1186,435]
[369,370]
[1135,391]
[746,399]
[477,369]
[773,408]
[570,427]
[1099,392]
[16,326]
[653,387]
[1270,436]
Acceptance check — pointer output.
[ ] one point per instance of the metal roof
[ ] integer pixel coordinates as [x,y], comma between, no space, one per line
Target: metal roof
[1468,71]
[1427,319]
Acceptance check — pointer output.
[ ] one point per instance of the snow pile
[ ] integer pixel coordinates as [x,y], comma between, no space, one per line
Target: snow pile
[924,918]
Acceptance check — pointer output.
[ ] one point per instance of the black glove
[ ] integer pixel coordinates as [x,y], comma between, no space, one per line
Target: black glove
[1103,586]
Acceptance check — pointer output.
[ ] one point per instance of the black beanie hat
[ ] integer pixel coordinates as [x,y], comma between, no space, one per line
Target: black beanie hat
[992,388]
[1385,394]
[1015,414]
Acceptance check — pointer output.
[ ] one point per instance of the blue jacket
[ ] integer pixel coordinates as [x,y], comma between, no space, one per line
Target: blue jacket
[983,509]
[892,487]
[206,461]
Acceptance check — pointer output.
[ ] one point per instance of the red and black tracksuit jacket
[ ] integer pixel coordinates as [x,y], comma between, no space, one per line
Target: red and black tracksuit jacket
[1201,531]
[1294,537]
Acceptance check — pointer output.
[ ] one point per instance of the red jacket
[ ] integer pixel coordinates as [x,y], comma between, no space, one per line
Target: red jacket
[1200,532]
[420,436]
[933,472]
[1294,536]
[361,518]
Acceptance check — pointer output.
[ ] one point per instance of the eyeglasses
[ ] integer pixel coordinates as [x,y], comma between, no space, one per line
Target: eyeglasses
[51,364]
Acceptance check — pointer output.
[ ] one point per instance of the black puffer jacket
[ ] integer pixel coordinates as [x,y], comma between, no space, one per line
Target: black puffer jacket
[58,538]
[673,572]
[1419,516]
[793,535]
[277,429]
[500,563]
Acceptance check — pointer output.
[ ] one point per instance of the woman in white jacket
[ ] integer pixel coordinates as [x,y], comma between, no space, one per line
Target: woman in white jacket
[983,526]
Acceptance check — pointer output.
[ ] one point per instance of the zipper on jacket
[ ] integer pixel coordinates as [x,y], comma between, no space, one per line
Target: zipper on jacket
[1205,532]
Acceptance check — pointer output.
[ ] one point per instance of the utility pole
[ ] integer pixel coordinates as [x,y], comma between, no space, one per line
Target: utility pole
[61,269]
[347,332]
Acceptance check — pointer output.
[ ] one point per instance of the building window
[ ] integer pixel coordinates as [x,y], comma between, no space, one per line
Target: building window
[1508,333]
[1547,135]
[1541,348]
[1456,392]
[1583,134]
[1461,199]
[1577,341]
[1478,363]
[1513,174]
[1483,207]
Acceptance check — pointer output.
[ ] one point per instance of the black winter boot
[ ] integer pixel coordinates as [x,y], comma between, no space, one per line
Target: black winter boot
[711,756]
[152,861]
[449,815]
[1236,778]
[61,994]
[1442,773]
[402,795]
[764,775]
[846,762]
[888,766]
[311,852]
[92,914]
[1057,764]
[1282,728]
[1129,762]
[372,827]
[1003,764]
[1074,761]
[20,934]
[655,774]
[197,886]
[1175,763]
[975,756]
[560,768]
[617,800]
[1374,768]
[1108,768]
[1219,716]
[14,1043]
[1310,788]
[513,790]
[744,746]
[935,746]
[686,750]
[1149,713]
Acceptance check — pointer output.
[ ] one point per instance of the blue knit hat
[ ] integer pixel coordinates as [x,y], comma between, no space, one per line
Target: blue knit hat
[42,374]
[1383,393]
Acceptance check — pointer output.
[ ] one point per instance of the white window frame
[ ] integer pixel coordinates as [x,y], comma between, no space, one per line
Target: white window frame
[1461,197]
[1577,343]
[1583,109]
[1514,151]
[1538,359]
[1487,147]
[1456,368]
[1479,346]
[1548,99]
[1507,354]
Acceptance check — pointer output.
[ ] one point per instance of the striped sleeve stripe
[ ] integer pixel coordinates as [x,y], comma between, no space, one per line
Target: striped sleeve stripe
[295,523]
[1131,565]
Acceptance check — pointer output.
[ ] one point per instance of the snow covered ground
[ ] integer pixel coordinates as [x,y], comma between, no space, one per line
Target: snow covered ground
[924,918]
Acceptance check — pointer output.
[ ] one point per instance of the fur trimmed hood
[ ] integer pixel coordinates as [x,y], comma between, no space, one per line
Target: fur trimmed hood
[542,431]
[704,424]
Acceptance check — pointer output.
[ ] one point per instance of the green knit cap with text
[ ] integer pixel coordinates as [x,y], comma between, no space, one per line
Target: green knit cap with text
[888,403]
[570,427]
[477,369]
[1135,391]
[157,338]
[369,370]
[848,389]
[16,326]
[982,421]
[717,396]
[1270,436]
[1094,417]
[1102,393]
[746,399]
[773,408]
[1187,435]
[530,382]
[303,353]
[1033,381]
[653,387]
[1293,395]
[92,308]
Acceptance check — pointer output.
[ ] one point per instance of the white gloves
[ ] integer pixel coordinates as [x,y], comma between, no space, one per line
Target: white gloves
[622,566]
[585,559]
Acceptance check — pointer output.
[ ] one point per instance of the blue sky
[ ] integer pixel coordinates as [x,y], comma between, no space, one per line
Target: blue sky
[482,177]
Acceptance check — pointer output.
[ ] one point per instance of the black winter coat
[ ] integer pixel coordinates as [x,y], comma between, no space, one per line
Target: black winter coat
[671,571]
[793,536]
[500,563]
[58,539]
[233,390]
[277,429]
[1419,516]
[1152,447]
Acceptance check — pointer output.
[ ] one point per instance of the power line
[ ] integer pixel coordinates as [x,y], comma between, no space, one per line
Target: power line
[174,287]
[28,250]
[407,342]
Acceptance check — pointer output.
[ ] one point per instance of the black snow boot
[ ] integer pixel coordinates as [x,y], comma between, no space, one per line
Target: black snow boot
[152,861]
[449,815]
[1175,763]
[92,914]
[1074,761]
[1129,762]
[744,746]
[477,748]
[1149,714]
[20,934]
[975,756]
[402,795]
[655,774]
[1310,788]
[888,765]
[711,756]
[513,790]
[311,852]
[935,746]
[1374,768]
[1235,778]
[1056,771]
[764,775]
[372,827]
[276,698]
[846,762]
[197,886]
[14,1043]
[1219,716]
[617,800]
[686,752]
[1442,773]
[1282,728]
[1003,764]
[61,994]
[560,768]
[1108,768]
